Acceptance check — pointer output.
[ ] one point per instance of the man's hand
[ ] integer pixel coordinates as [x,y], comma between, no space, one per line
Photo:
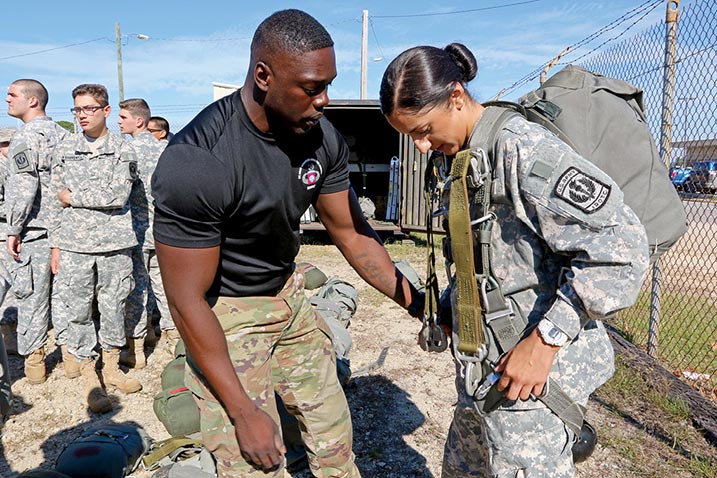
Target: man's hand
[525,367]
[259,439]
[55,260]
[64,197]
[14,246]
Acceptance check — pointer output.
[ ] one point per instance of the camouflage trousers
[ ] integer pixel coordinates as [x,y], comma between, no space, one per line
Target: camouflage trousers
[31,277]
[5,391]
[145,271]
[136,305]
[155,282]
[84,277]
[525,439]
[279,344]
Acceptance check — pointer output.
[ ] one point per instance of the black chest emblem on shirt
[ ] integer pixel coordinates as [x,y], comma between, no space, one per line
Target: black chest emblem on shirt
[582,190]
[310,172]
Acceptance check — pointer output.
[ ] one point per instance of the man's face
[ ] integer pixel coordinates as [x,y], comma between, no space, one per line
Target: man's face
[128,124]
[4,148]
[91,115]
[17,103]
[156,131]
[297,89]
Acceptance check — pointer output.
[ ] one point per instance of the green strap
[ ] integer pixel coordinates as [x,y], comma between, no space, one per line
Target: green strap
[468,307]
[166,447]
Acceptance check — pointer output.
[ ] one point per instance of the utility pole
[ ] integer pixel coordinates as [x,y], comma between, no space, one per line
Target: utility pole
[364,53]
[120,81]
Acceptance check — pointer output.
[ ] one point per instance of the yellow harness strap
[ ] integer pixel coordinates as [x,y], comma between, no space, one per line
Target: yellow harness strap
[468,308]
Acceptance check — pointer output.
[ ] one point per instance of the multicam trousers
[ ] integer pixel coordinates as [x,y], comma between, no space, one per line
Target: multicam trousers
[279,344]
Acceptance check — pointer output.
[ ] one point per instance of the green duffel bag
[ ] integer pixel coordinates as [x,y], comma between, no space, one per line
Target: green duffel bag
[174,405]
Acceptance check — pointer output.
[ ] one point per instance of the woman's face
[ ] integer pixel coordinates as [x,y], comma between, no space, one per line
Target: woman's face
[441,128]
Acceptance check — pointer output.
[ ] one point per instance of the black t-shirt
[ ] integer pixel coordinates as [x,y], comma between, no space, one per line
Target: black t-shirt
[223,182]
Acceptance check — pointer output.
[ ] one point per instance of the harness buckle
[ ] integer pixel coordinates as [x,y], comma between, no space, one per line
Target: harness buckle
[432,338]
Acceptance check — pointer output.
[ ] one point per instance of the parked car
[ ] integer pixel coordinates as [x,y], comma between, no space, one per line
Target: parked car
[682,179]
[704,175]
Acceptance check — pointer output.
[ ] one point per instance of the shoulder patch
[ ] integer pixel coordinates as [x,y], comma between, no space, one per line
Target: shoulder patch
[21,161]
[582,190]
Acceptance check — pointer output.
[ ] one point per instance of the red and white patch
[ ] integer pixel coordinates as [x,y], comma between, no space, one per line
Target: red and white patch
[310,172]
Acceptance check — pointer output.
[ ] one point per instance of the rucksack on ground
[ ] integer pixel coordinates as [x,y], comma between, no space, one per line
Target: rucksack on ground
[603,119]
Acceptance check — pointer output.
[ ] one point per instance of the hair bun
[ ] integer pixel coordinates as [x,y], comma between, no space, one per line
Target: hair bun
[464,59]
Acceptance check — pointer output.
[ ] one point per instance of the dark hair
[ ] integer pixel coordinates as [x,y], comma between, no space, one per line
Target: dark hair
[160,122]
[290,31]
[98,92]
[424,77]
[137,107]
[30,87]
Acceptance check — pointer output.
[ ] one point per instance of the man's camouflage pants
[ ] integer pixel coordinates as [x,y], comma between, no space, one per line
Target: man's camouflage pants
[84,277]
[31,287]
[279,344]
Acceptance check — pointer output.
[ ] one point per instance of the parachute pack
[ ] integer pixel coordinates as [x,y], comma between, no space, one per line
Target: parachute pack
[603,119]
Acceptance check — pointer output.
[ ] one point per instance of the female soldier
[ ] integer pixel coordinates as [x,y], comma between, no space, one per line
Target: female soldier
[565,250]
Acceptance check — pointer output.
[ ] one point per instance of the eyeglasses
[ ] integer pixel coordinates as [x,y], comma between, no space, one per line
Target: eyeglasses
[88,110]
[152,130]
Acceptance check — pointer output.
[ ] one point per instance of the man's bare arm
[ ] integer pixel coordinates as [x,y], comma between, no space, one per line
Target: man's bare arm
[187,275]
[358,242]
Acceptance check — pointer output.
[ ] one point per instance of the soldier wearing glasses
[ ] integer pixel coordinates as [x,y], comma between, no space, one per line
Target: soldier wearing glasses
[91,242]
[29,212]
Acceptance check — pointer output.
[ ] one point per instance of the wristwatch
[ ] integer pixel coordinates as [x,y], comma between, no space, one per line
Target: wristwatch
[551,334]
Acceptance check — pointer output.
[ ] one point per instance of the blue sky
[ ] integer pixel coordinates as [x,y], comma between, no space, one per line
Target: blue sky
[193,44]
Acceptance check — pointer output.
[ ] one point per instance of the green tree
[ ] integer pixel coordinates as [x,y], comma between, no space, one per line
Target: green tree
[68,125]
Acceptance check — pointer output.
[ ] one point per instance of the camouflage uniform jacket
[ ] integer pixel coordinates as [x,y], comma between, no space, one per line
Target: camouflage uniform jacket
[147,150]
[29,204]
[564,247]
[98,218]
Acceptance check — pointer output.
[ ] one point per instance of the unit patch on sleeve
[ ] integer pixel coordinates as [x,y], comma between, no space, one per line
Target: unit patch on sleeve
[21,161]
[582,190]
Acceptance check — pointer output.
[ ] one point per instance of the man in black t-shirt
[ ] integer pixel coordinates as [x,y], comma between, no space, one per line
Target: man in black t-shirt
[229,192]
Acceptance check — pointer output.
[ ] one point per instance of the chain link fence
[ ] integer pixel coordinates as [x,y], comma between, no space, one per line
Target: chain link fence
[674,62]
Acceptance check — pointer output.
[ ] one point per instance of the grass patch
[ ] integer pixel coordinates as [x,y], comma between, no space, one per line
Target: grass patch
[685,344]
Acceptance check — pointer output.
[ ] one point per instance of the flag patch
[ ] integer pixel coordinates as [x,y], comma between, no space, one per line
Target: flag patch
[582,190]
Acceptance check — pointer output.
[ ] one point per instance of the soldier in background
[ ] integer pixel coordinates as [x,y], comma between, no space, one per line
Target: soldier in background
[8,324]
[30,207]
[159,127]
[134,116]
[92,241]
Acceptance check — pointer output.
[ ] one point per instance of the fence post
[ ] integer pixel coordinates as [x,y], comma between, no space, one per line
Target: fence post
[668,98]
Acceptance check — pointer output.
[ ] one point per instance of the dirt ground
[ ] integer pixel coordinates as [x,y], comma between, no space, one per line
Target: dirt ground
[401,410]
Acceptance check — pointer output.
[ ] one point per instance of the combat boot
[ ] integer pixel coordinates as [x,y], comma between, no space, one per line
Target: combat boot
[69,363]
[112,374]
[133,356]
[151,339]
[97,399]
[9,337]
[170,337]
[35,367]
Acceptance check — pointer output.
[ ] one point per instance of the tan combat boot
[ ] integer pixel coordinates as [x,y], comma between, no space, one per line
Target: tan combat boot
[112,374]
[133,356]
[69,363]
[35,367]
[97,399]
[170,337]
[9,337]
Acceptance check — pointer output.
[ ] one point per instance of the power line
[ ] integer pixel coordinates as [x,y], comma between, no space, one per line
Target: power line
[52,49]
[373,30]
[648,5]
[457,11]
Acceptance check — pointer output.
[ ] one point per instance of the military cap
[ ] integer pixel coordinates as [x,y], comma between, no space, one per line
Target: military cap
[6,134]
